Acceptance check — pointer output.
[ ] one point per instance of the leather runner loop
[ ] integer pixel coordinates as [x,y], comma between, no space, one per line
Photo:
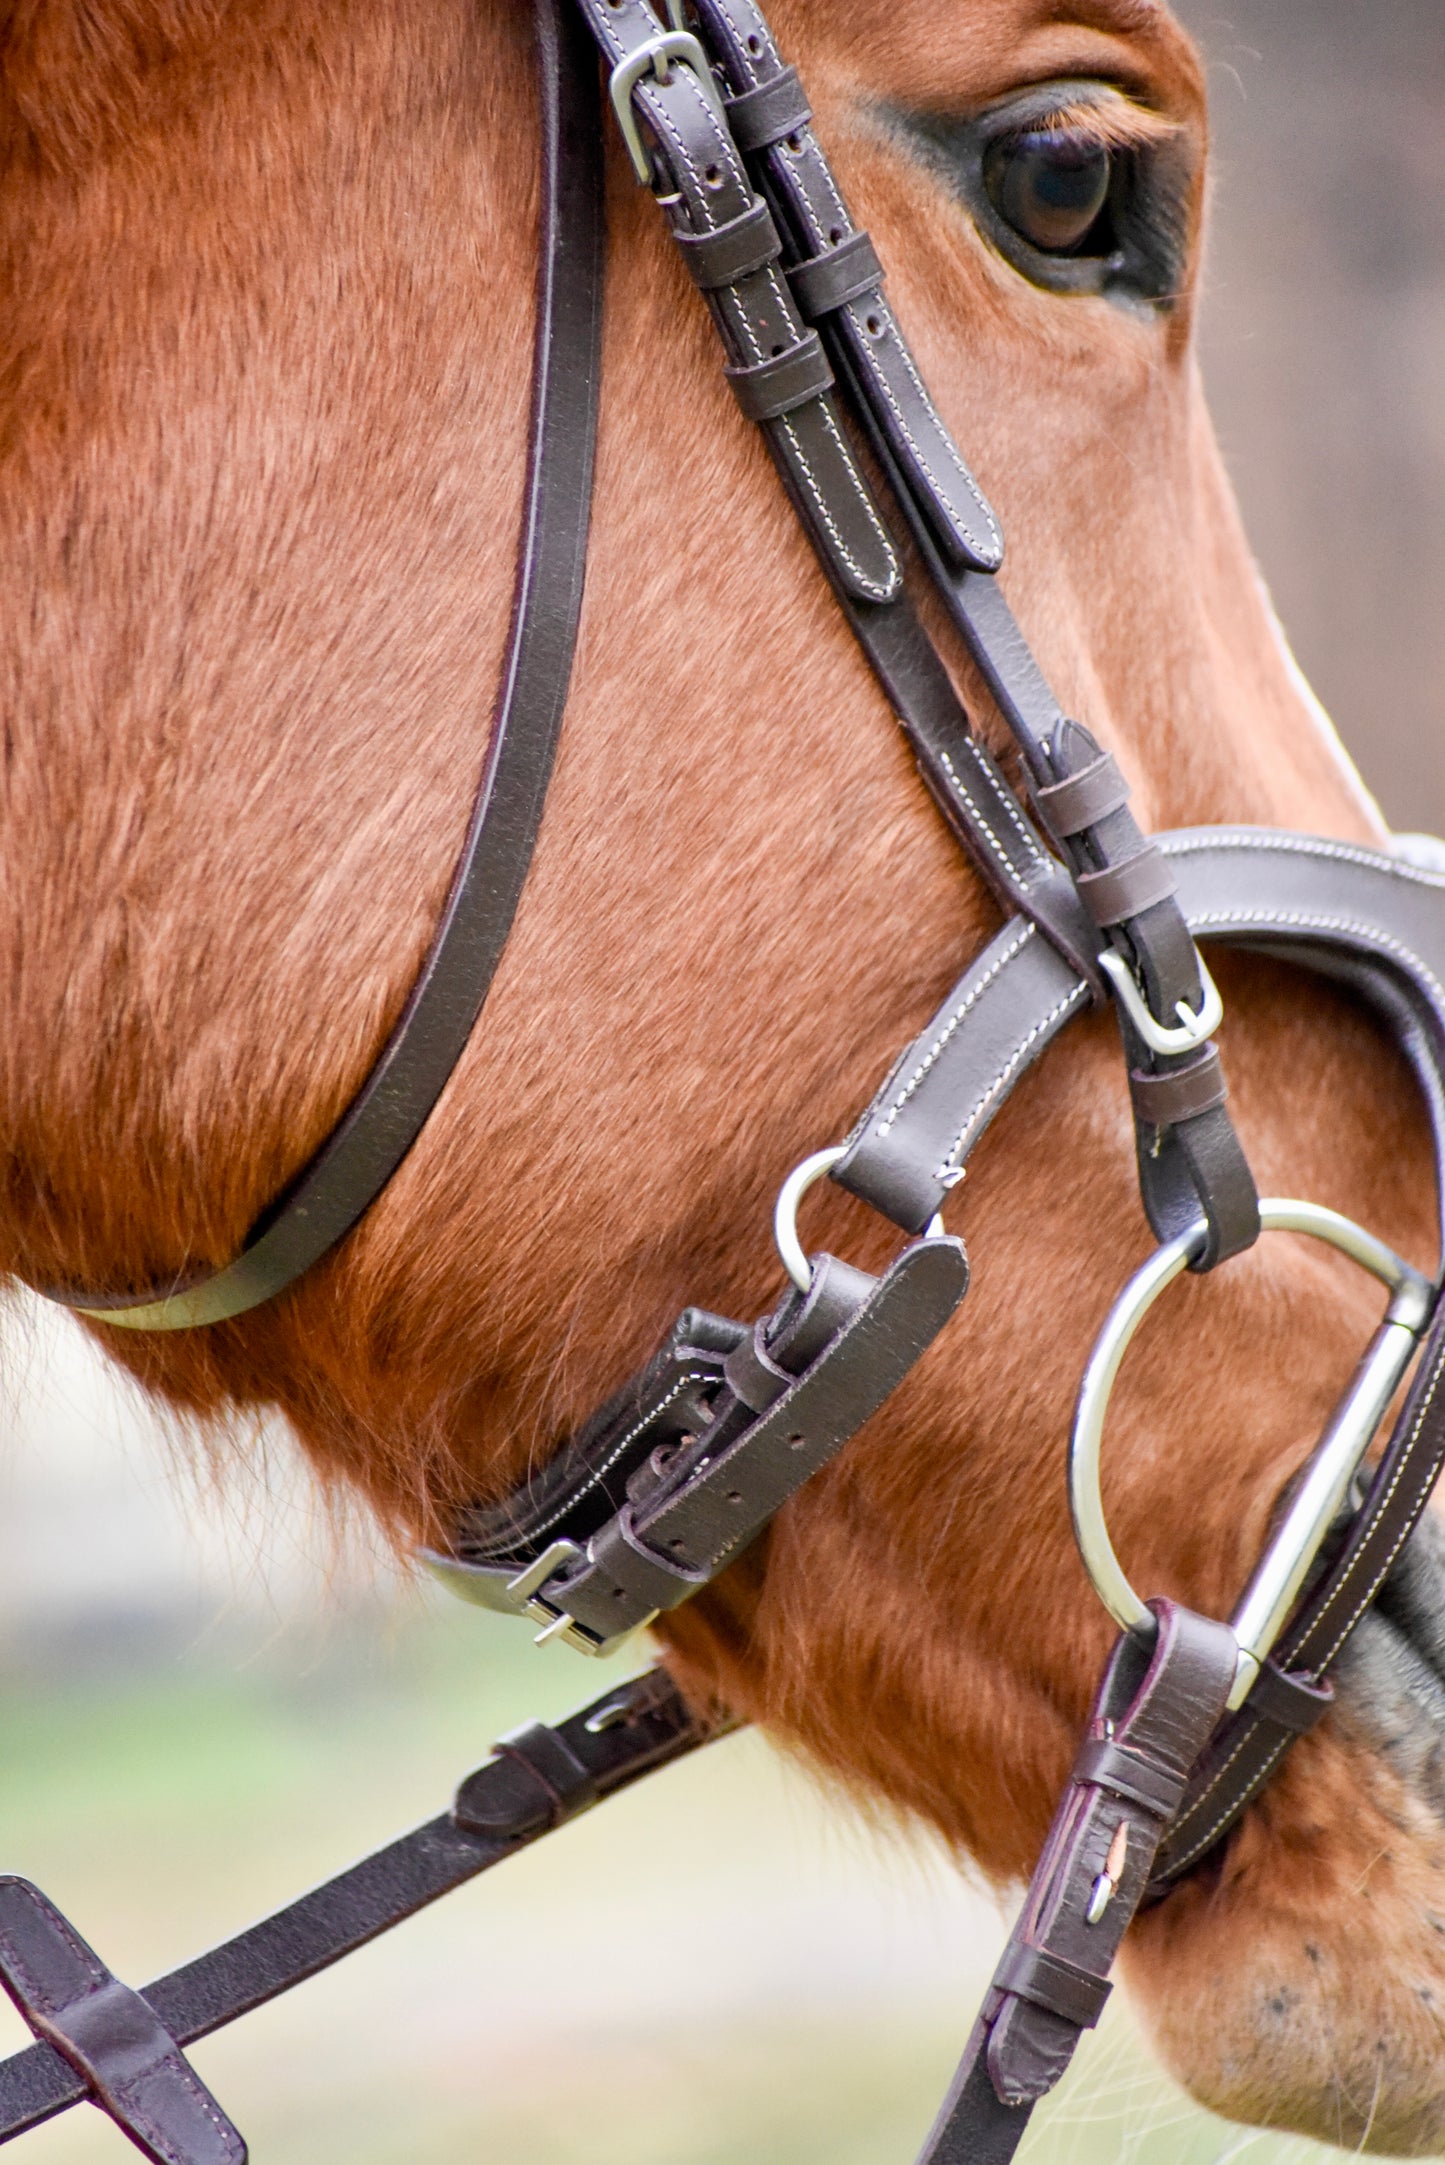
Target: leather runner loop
[766,390]
[1118,892]
[1293,1701]
[770,113]
[1123,1773]
[548,1758]
[1047,1980]
[1179,1093]
[1081,800]
[131,2065]
[828,282]
[732,251]
[754,1380]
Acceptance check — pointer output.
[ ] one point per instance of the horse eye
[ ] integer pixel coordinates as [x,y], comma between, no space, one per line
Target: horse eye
[1049,186]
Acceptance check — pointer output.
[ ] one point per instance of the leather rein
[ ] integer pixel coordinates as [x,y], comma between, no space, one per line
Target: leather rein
[669,1481]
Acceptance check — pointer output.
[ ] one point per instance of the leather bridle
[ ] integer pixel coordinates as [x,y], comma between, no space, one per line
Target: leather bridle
[665,1486]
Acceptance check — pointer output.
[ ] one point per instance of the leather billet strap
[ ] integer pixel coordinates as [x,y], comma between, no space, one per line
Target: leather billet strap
[1154,1713]
[104,2047]
[359,1158]
[657,1509]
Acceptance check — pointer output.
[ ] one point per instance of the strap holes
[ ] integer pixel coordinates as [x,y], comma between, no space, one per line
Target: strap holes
[835,234]
[874,326]
[713,175]
[755,44]
[776,351]
[795,1443]
[735,1495]
[677,1547]
[795,143]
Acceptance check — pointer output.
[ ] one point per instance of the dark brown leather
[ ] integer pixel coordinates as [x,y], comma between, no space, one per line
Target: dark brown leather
[1155,1711]
[768,113]
[1081,800]
[126,2059]
[733,251]
[539,1776]
[827,282]
[358,1159]
[854,1339]
[1182,1093]
[1120,891]
[867,342]
[766,390]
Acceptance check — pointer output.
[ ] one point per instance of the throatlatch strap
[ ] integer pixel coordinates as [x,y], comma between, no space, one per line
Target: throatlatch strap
[384,1120]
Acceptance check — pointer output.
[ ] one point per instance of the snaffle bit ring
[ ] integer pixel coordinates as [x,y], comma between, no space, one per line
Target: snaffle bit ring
[1324,1483]
[785,1212]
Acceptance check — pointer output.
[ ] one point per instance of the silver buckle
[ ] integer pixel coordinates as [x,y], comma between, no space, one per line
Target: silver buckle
[1193,1029]
[655,57]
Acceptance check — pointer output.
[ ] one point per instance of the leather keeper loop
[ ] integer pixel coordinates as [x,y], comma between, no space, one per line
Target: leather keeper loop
[762,117]
[842,274]
[1047,1980]
[1291,1701]
[731,251]
[751,1376]
[1081,800]
[1181,1093]
[552,1762]
[774,387]
[1125,1774]
[1121,891]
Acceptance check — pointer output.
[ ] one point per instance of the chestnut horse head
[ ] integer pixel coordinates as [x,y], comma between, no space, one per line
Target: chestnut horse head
[268,282]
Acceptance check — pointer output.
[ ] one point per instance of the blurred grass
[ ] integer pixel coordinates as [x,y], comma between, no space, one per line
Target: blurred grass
[718,1969]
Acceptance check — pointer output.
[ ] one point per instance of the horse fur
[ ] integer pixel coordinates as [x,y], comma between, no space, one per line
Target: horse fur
[263,384]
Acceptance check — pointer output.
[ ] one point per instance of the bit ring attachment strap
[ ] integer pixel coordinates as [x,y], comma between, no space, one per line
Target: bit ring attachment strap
[785,1212]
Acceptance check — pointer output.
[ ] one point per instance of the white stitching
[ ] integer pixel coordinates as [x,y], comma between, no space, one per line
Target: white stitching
[598,1474]
[1302,846]
[1177,1864]
[951,1155]
[873,587]
[1006,799]
[869,352]
[1303,920]
[970,999]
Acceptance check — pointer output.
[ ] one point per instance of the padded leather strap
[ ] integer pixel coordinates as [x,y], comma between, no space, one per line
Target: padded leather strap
[629,1731]
[356,1162]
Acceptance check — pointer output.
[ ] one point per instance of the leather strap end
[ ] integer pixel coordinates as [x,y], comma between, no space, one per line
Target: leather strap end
[1293,1701]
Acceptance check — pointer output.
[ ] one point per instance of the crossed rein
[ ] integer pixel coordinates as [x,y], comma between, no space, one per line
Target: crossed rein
[666,1485]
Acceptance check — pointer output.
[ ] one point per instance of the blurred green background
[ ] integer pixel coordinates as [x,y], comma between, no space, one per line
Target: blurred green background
[722,1968]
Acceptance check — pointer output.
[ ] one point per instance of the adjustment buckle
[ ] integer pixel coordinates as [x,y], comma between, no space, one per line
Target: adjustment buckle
[655,57]
[1193,1030]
